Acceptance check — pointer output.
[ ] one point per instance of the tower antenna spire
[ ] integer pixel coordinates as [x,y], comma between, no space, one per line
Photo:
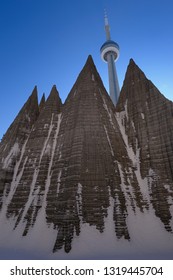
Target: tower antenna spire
[107,28]
[110,53]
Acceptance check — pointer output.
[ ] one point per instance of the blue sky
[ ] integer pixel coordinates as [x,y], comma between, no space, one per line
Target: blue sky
[46,42]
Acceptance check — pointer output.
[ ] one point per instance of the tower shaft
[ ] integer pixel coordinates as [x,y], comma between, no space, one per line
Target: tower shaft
[114,89]
[110,53]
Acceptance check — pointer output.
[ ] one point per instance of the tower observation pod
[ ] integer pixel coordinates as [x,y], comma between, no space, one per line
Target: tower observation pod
[110,53]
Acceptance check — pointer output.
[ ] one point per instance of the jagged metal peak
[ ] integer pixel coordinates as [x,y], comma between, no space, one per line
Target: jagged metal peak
[106,17]
[54,94]
[89,63]
[35,91]
[132,61]
[90,59]
[43,97]
[107,27]
[42,102]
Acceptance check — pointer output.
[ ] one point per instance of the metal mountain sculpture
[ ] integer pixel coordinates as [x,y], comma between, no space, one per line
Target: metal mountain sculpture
[66,165]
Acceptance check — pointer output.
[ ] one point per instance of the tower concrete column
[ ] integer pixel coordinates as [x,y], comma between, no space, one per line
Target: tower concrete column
[110,53]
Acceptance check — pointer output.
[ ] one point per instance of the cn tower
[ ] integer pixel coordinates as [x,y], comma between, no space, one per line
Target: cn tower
[110,53]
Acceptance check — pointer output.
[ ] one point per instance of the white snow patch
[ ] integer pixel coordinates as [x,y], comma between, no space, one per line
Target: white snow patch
[121,116]
[48,149]
[170,201]
[28,118]
[13,152]
[46,125]
[79,200]
[149,240]
[134,157]
[112,152]
[142,116]
[108,111]
[133,125]
[168,188]
[37,244]
[130,152]
[148,235]
[47,138]
[126,111]
[93,78]
[127,190]
[58,181]
[33,197]
[15,181]
[32,193]
[48,180]
[146,103]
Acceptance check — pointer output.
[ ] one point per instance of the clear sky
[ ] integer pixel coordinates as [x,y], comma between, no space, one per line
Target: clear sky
[46,42]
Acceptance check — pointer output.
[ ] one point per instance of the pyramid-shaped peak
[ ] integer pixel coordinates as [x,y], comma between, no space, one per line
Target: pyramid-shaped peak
[134,79]
[54,87]
[54,92]
[34,92]
[133,65]
[53,100]
[42,102]
[89,71]
[90,60]
[32,100]
[90,64]
[87,80]
[133,74]
[132,61]
[43,98]
[22,124]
